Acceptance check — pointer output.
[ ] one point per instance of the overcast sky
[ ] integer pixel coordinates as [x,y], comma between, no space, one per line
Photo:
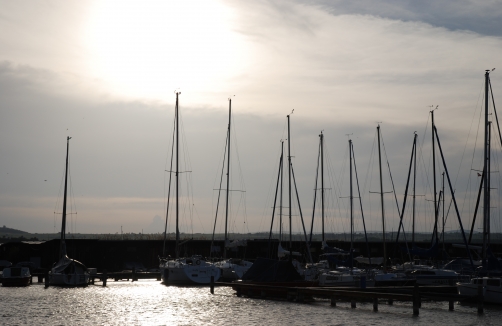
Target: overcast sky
[105,72]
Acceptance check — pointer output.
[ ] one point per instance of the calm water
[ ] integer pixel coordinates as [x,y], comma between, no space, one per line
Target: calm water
[150,303]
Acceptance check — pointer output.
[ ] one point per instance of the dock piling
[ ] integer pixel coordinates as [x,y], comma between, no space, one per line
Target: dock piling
[333,300]
[375,304]
[416,300]
[212,284]
[46,280]
[480,299]
[104,277]
[451,305]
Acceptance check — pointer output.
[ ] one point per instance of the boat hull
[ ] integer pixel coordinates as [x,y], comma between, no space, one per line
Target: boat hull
[16,281]
[491,294]
[68,280]
[179,273]
[16,276]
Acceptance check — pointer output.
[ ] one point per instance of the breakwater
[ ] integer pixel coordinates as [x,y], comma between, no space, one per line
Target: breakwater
[113,255]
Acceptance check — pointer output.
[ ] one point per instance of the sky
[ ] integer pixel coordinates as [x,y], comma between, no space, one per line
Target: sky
[105,73]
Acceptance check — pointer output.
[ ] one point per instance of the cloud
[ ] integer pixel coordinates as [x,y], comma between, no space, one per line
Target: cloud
[342,71]
[467,15]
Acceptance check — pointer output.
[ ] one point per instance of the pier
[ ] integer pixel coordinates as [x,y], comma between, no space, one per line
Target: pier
[414,294]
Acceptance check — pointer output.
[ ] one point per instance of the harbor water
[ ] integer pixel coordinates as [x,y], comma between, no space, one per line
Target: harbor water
[151,303]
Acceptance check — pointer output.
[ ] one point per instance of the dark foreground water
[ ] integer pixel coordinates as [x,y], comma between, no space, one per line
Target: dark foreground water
[151,303]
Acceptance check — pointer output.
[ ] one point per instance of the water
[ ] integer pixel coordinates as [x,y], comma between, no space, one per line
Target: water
[151,303]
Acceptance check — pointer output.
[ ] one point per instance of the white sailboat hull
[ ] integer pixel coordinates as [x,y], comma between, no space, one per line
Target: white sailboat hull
[491,293]
[231,271]
[181,272]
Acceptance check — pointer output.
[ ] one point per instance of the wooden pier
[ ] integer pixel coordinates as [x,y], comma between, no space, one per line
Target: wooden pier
[414,294]
[42,277]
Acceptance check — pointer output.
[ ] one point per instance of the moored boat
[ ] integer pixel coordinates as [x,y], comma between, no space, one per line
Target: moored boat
[192,270]
[16,276]
[491,287]
[67,271]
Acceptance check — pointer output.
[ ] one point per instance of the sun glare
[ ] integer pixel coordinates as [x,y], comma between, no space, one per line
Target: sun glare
[148,48]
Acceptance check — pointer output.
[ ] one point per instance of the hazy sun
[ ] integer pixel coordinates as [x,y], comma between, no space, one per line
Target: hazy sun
[150,47]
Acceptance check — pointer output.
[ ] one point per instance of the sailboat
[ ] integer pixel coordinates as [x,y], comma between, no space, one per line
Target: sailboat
[231,268]
[272,270]
[491,286]
[384,278]
[345,274]
[67,271]
[190,270]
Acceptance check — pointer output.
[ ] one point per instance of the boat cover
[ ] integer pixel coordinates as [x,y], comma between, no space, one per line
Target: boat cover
[66,262]
[271,270]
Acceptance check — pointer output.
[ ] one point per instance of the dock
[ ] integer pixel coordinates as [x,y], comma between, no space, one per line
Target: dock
[414,294]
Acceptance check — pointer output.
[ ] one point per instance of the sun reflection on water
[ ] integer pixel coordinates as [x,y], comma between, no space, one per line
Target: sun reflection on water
[151,303]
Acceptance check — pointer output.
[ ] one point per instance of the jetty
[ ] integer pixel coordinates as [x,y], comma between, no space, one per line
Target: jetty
[415,294]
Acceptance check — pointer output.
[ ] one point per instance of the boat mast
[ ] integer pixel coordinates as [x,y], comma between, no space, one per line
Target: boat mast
[381,200]
[443,217]
[228,179]
[322,183]
[434,177]
[414,187]
[62,249]
[289,172]
[486,165]
[351,205]
[176,175]
[281,171]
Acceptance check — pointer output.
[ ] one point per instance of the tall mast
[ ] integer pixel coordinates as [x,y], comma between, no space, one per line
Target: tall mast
[381,200]
[486,165]
[289,171]
[322,183]
[351,205]
[62,249]
[434,177]
[280,198]
[414,186]
[228,177]
[443,214]
[176,174]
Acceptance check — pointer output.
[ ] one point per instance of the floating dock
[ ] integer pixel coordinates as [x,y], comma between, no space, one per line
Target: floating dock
[414,294]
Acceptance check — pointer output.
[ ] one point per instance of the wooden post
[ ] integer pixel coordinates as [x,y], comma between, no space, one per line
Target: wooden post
[352,303]
[31,279]
[46,280]
[375,304]
[416,301]
[480,299]
[104,277]
[333,300]
[133,274]
[300,296]
[212,284]
[451,305]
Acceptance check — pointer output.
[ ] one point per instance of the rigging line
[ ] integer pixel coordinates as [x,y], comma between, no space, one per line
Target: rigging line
[426,171]
[361,205]
[301,215]
[494,109]
[390,174]
[315,193]
[169,190]
[370,175]
[465,148]
[219,194]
